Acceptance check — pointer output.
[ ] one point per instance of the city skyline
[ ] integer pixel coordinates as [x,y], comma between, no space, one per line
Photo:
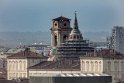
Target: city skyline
[93,16]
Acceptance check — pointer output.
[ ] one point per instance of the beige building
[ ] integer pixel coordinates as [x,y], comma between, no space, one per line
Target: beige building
[18,63]
[113,66]
[91,65]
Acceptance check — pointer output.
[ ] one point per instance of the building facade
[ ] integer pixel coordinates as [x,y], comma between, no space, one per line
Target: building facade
[109,65]
[18,63]
[116,41]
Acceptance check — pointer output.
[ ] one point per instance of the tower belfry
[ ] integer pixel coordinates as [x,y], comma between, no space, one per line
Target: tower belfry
[60,30]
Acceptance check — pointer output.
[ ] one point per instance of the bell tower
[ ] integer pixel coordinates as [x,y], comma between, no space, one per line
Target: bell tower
[60,30]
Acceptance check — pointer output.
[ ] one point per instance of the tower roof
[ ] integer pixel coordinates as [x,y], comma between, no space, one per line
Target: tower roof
[75,33]
[75,22]
[61,18]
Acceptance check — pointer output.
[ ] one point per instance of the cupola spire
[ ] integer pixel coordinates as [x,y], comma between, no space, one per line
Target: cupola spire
[75,21]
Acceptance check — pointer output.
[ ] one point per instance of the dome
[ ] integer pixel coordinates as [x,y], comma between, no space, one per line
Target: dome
[75,35]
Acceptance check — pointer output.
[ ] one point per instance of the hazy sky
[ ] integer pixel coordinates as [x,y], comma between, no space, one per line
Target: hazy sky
[36,15]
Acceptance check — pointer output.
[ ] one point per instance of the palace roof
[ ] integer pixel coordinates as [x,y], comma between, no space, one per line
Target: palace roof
[26,54]
[66,65]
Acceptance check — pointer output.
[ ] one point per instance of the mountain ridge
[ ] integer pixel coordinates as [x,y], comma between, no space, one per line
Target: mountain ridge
[13,39]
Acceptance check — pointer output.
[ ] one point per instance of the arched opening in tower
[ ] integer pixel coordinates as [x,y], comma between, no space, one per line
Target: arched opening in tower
[64,38]
[55,38]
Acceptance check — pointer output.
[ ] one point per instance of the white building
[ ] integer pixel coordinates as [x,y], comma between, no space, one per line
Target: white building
[113,66]
[18,63]
[118,39]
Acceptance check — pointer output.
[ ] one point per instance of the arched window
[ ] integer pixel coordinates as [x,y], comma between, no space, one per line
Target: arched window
[116,66]
[55,24]
[13,65]
[109,66]
[122,66]
[92,66]
[24,63]
[65,24]
[74,37]
[71,37]
[20,65]
[96,66]
[55,38]
[87,64]
[77,37]
[100,66]
[16,64]
[64,38]
[10,65]
[83,66]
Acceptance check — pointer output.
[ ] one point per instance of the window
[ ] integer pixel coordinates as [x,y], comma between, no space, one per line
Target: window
[83,66]
[96,66]
[13,65]
[16,65]
[100,65]
[20,65]
[87,64]
[55,38]
[10,65]
[74,37]
[64,24]
[77,37]
[55,24]
[92,66]
[116,66]
[24,65]
[64,38]
[122,66]
[109,66]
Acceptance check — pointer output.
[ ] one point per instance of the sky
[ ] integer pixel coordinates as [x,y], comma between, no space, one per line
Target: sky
[37,15]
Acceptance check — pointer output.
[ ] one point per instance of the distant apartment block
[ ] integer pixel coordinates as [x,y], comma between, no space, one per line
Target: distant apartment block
[116,41]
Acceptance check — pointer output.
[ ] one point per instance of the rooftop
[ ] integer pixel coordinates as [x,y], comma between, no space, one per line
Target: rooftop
[26,54]
[104,53]
[61,18]
[73,65]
